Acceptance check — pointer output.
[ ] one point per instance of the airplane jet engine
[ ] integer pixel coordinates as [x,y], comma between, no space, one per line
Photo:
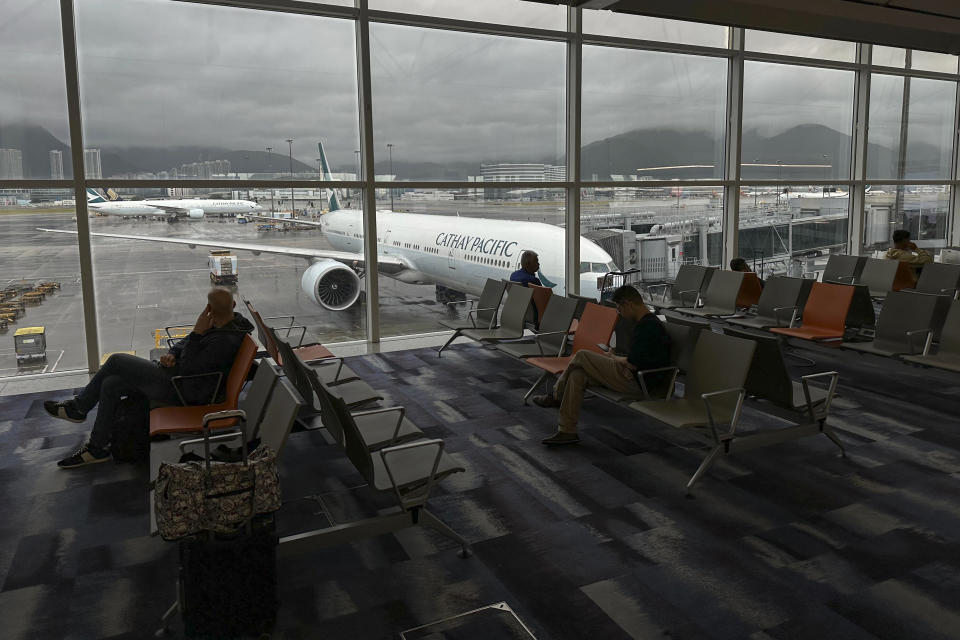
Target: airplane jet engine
[195,214]
[331,284]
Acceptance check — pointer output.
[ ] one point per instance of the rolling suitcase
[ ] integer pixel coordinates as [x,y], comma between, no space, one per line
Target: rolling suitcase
[130,433]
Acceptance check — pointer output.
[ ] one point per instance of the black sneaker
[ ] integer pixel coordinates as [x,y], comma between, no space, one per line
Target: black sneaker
[85,455]
[66,410]
[561,437]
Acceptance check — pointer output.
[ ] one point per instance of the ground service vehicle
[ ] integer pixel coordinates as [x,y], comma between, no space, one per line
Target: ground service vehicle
[223,267]
[30,343]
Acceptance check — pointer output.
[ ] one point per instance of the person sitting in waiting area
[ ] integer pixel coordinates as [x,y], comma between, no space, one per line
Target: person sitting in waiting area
[210,347]
[527,273]
[739,264]
[650,349]
[905,250]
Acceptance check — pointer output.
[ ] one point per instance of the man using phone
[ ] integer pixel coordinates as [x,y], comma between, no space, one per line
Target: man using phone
[905,250]
[650,349]
[210,347]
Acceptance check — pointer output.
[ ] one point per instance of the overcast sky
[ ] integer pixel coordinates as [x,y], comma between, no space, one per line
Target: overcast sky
[161,73]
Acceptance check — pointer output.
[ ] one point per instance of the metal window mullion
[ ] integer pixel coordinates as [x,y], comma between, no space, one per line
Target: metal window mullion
[372,285]
[858,150]
[573,100]
[71,76]
[953,228]
[731,165]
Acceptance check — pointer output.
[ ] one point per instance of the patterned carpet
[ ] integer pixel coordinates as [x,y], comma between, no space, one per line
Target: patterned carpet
[591,541]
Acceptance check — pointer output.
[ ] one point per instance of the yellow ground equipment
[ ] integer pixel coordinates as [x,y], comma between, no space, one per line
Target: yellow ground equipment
[30,343]
[104,357]
[223,267]
[32,297]
[48,287]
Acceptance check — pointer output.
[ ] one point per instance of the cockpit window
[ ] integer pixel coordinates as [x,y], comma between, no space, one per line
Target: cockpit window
[597,267]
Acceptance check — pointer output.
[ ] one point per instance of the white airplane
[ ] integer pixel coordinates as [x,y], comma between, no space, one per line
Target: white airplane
[811,195]
[172,210]
[453,252]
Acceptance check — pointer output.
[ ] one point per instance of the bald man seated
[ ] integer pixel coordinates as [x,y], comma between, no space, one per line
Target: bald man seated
[210,347]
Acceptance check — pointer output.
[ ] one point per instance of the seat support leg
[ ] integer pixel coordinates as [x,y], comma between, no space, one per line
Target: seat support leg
[526,396]
[830,433]
[456,334]
[702,469]
[431,521]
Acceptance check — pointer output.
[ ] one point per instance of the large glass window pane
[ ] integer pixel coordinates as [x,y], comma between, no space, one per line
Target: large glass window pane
[625,25]
[513,12]
[34,134]
[652,116]
[462,106]
[41,306]
[796,122]
[928,134]
[920,209]
[222,99]
[451,241]
[930,61]
[655,229]
[792,231]
[801,46]
[889,56]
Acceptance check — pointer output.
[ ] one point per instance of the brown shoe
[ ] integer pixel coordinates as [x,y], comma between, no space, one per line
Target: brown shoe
[546,401]
[561,437]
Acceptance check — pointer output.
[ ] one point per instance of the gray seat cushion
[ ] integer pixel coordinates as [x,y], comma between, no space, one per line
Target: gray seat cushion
[676,413]
[492,334]
[948,362]
[354,393]
[377,429]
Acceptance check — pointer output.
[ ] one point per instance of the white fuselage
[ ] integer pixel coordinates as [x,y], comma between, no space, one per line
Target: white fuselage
[163,207]
[461,253]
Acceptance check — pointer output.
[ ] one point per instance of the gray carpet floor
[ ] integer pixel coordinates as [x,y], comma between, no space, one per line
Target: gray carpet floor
[590,541]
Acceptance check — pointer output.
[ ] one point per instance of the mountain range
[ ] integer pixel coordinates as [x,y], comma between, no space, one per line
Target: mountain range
[622,154]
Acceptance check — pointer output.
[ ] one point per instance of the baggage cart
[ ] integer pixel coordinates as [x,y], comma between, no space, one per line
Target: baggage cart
[223,267]
[30,343]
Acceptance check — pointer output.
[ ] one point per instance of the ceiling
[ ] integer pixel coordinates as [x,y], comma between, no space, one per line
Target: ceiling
[932,25]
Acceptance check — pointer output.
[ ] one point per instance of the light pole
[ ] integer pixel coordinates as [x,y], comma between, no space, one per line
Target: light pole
[755,161]
[390,150]
[779,182]
[246,169]
[293,204]
[356,154]
[824,192]
[269,166]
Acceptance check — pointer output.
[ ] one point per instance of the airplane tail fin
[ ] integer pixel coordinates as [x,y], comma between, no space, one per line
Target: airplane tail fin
[93,197]
[334,201]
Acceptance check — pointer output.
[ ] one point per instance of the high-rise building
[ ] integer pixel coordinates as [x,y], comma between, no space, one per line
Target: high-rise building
[11,164]
[91,161]
[56,164]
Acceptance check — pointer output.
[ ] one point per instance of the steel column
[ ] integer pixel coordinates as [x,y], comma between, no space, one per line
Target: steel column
[372,284]
[858,150]
[574,85]
[731,164]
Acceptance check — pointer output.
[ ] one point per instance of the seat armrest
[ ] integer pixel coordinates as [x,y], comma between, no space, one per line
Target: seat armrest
[328,361]
[473,317]
[844,279]
[926,345]
[734,419]
[292,318]
[831,392]
[456,302]
[230,435]
[642,373]
[177,326]
[175,380]
[303,332]
[684,294]
[950,292]
[419,499]
[563,343]
[793,315]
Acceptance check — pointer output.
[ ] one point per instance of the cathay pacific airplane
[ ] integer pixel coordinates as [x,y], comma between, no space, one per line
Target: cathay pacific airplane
[172,210]
[448,251]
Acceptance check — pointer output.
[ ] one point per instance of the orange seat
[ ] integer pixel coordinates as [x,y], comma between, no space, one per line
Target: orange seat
[541,296]
[750,290]
[825,313]
[190,419]
[906,277]
[595,327]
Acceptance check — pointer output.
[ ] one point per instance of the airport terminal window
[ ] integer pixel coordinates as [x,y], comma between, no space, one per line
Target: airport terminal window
[623,25]
[462,106]
[475,234]
[792,231]
[800,46]
[517,13]
[223,98]
[652,116]
[920,209]
[888,56]
[796,122]
[41,306]
[928,135]
[654,229]
[34,133]
[931,61]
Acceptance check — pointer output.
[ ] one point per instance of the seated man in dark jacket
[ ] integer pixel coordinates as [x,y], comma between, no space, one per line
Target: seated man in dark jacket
[210,347]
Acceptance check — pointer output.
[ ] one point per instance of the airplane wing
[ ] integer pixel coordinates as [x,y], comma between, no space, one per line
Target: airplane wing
[173,211]
[310,223]
[386,264]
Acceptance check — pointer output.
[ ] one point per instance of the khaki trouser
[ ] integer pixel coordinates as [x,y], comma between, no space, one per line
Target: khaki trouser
[586,368]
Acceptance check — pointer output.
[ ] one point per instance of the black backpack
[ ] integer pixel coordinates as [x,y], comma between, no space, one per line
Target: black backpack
[130,437]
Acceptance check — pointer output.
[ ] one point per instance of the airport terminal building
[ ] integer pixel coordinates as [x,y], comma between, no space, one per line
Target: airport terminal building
[365,178]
